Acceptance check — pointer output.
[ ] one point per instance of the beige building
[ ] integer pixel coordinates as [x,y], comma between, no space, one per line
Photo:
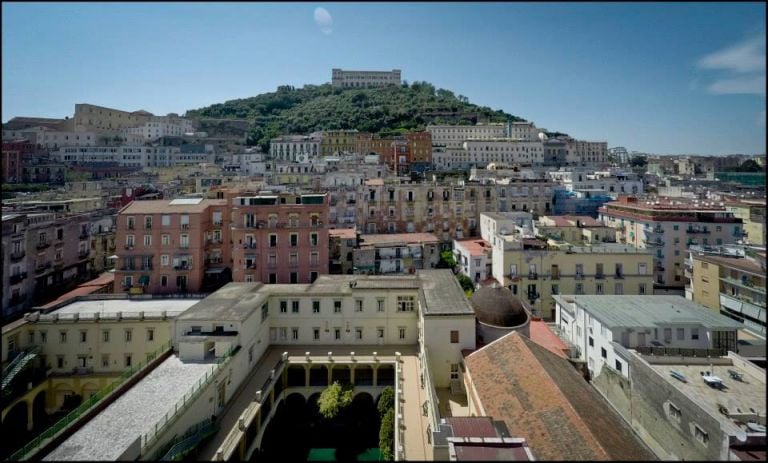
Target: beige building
[90,117]
[536,270]
[729,281]
[339,141]
[752,213]
[667,228]
[347,79]
[575,229]
[453,136]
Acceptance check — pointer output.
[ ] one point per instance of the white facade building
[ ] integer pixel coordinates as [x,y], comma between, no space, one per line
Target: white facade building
[505,223]
[129,156]
[161,126]
[453,136]
[596,324]
[295,148]
[473,258]
[611,182]
[587,152]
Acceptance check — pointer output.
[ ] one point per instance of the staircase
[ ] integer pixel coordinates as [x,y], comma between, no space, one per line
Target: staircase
[190,440]
[17,365]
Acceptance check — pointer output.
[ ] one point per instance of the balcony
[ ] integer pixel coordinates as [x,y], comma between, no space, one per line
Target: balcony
[653,244]
[599,276]
[18,278]
[183,267]
[185,226]
[249,245]
[618,276]
[533,276]
[43,245]
[83,253]
[43,268]
[695,230]
[213,241]
[579,276]
[17,256]
[659,268]
[250,266]
[128,268]
[218,223]
[184,246]
[213,261]
[129,247]
[654,231]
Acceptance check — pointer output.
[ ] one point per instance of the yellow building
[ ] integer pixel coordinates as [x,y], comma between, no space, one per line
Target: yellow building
[536,270]
[731,284]
[752,213]
[575,229]
[336,141]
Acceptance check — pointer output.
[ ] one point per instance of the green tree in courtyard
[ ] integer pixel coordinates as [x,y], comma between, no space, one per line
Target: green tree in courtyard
[334,399]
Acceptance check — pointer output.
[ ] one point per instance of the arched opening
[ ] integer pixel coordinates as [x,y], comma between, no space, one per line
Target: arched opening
[296,376]
[39,415]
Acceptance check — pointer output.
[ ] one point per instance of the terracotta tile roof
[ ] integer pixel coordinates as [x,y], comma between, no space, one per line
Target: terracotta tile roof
[344,233]
[475,247]
[543,399]
[384,239]
[543,336]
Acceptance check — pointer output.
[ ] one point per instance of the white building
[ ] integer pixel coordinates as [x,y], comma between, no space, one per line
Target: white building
[295,148]
[246,164]
[129,156]
[473,258]
[596,324]
[161,126]
[505,223]
[612,182]
[453,136]
[342,78]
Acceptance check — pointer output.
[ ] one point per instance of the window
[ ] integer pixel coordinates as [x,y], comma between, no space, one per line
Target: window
[150,334]
[129,240]
[603,352]
[337,333]
[454,371]
[667,335]
[312,277]
[295,306]
[128,335]
[295,334]
[165,240]
[701,435]
[273,278]
[283,306]
[165,260]
[380,333]
[316,334]
[83,336]
[272,241]
[380,305]
[454,336]
[294,277]
[642,268]
[618,288]
[358,333]
[579,288]
[60,361]
[405,303]
[599,288]
[166,220]
[105,360]
[43,337]
[283,333]
[641,288]
[401,330]
[294,237]
[164,281]
[694,333]
[680,334]
[315,306]
[336,306]
[63,337]
[128,360]
[591,342]
[358,305]
[313,239]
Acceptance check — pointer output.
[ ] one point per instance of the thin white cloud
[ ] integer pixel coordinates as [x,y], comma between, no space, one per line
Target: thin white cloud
[741,66]
[748,56]
[739,85]
[324,20]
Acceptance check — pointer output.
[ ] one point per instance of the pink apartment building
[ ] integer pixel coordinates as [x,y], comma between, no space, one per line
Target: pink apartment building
[172,246]
[280,237]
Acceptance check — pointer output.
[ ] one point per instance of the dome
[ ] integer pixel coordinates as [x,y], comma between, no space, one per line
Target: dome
[498,307]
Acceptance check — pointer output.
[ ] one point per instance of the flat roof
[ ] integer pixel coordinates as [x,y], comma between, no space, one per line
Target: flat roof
[442,294]
[345,233]
[160,206]
[127,305]
[397,238]
[233,302]
[738,395]
[133,414]
[639,311]
[740,263]
[474,247]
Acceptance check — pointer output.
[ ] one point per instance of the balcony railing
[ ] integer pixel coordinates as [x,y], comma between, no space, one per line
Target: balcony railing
[533,276]
[18,255]
[599,276]
[43,268]
[43,245]
[18,278]
[579,276]
[218,223]
[183,267]
[82,254]
[618,276]
[185,226]
[698,230]
[248,245]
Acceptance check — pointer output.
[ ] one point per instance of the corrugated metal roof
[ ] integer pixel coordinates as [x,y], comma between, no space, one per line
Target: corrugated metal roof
[644,311]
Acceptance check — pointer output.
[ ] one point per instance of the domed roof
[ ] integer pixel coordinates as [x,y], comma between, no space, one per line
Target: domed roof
[498,307]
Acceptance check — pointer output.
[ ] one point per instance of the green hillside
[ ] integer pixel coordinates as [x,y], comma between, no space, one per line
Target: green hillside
[322,107]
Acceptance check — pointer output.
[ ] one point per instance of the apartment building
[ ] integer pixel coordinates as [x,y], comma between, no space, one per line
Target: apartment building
[11,164]
[295,148]
[521,130]
[473,258]
[90,117]
[505,223]
[588,152]
[667,228]
[126,156]
[350,79]
[536,270]
[395,253]
[594,183]
[334,142]
[752,213]
[44,254]
[597,324]
[449,211]
[176,246]
[453,136]
[482,152]
[279,237]
[731,281]
[341,243]
[157,127]
[583,229]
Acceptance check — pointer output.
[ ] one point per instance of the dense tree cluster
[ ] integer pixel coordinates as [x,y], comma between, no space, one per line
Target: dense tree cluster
[385,110]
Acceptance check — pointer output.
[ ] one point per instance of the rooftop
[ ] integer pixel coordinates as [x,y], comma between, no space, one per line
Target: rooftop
[170,206]
[739,263]
[640,311]
[738,397]
[571,221]
[233,302]
[474,247]
[543,399]
[397,238]
[442,294]
[343,233]
[112,306]
[110,433]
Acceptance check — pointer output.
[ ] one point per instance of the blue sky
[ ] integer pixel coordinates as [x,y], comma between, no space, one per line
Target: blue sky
[666,78]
